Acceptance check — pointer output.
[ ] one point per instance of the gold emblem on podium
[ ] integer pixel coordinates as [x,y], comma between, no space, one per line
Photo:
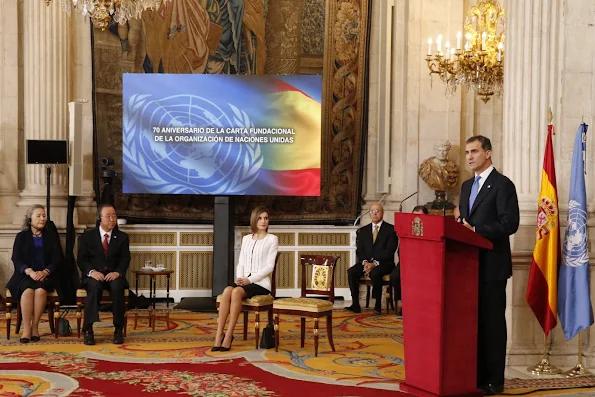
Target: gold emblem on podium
[417,227]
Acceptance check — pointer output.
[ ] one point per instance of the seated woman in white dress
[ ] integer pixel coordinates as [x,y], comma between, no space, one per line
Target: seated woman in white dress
[257,261]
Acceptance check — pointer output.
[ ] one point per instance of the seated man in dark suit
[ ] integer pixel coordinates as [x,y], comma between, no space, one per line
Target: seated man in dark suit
[395,276]
[104,257]
[376,245]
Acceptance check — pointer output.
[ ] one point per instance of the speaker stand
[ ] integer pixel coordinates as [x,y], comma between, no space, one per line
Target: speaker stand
[223,255]
[48,174]
[223,244]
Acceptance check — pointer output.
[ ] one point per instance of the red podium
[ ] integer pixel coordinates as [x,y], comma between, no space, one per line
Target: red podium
[439,271]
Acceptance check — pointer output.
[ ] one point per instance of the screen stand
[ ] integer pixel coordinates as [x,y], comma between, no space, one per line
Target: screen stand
[48,174]
[223,255]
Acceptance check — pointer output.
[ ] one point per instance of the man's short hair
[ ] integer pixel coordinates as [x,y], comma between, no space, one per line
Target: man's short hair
[421,208]
[101,207]
[486,144]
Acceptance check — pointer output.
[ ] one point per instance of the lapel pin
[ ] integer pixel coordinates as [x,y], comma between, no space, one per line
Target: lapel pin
[489,186]
[117,236]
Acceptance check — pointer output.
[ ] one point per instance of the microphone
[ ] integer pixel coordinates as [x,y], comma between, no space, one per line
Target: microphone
[402,201]
[446,204]
[366,211]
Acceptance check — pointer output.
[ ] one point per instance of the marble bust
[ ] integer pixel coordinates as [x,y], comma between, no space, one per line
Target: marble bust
[438,172]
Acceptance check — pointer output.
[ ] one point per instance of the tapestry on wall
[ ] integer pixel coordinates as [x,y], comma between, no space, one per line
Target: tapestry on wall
[246,37]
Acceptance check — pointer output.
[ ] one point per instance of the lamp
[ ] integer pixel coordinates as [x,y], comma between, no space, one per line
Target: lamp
[479,65]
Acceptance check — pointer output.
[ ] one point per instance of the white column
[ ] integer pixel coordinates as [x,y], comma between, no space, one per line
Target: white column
[532,72]
[532,83]
[82,88]
[47,72]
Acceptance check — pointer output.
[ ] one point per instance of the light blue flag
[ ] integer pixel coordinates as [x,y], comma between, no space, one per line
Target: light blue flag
[574,303]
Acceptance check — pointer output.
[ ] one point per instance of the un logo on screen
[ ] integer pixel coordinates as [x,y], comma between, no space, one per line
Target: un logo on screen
[574,250]
[174,166]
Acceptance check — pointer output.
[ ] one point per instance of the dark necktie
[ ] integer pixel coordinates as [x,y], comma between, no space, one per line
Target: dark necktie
[105,243]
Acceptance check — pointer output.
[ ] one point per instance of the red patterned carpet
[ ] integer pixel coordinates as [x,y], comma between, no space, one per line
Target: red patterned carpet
[368,361]
[232,377]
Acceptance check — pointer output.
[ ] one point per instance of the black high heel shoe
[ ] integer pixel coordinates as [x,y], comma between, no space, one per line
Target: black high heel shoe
[226,349]
[24,340]
[216,348]
[35,338]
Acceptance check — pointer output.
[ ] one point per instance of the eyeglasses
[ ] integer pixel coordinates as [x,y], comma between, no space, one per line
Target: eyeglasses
[374,212]
[112,216]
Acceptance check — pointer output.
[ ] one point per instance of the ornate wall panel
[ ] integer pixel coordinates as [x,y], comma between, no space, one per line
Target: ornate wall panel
[153,239]
[285,275]
[196,270]
[196,239]
[318,239]
[328,37]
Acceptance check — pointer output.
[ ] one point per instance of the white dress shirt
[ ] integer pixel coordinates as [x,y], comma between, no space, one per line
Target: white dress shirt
[484,176]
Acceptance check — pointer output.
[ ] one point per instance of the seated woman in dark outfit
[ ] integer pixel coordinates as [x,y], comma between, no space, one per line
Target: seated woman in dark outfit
[35,255]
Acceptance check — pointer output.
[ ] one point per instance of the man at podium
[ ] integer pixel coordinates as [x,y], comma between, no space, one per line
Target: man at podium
[489,206]
[375,250]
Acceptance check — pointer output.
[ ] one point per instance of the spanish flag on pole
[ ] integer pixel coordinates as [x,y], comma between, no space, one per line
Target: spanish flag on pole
[542,291]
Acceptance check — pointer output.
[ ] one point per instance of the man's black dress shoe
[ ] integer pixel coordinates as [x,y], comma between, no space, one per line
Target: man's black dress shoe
[492,390]
[354,308]
[377,310]
[89,338]
[118,336]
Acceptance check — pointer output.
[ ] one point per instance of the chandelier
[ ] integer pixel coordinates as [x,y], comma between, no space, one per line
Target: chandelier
[102,11]
[479,64]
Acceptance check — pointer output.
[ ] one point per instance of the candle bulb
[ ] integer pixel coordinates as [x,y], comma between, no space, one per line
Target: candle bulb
[484,36]
[452,54]
[439,44]
[430,46]
[459,37]
[468,42]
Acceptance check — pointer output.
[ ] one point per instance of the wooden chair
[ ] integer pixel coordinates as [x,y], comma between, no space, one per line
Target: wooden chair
[258,304]
[390,302]
[322,283]
[52,307]
[81,297]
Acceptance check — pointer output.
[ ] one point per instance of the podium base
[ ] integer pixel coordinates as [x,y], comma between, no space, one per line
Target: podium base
[416,391]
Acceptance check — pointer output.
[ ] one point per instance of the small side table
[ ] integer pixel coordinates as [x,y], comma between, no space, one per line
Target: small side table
[152,293]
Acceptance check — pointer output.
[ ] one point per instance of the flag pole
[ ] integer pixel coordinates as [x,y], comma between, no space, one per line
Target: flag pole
[579,369]
[544,367]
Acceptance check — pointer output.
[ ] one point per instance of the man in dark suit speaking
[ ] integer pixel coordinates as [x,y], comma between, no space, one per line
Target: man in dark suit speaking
[104,257]
[489,206]
[376,245]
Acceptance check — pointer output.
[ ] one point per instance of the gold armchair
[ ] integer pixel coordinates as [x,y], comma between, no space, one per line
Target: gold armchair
[322,270]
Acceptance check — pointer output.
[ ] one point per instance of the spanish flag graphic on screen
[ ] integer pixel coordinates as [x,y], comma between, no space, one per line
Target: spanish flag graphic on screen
[222,134]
